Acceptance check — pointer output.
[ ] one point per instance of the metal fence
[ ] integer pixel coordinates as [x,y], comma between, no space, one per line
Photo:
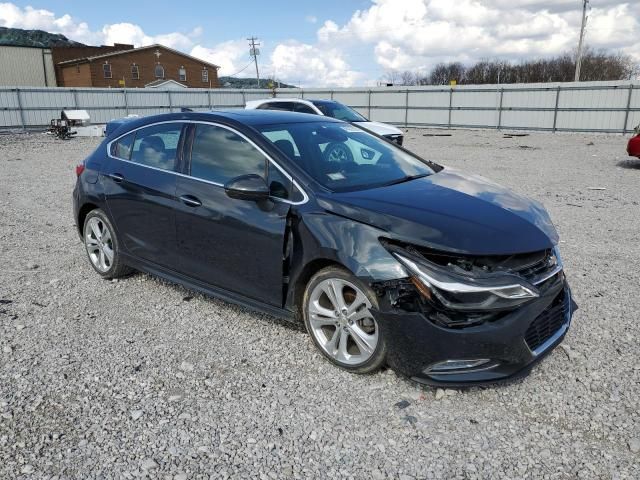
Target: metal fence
[608,107]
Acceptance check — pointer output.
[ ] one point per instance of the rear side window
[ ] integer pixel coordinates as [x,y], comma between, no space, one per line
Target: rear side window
[287,106]
[157,146]
[122,147]
[302,108]
[218,155]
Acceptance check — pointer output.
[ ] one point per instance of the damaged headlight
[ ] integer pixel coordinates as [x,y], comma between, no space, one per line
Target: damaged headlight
[462,292]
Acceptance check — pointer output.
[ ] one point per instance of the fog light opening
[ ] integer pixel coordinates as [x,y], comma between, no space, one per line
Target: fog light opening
[457,366]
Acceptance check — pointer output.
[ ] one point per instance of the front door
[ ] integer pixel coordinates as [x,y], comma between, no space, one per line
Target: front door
[236,245]
[140,188]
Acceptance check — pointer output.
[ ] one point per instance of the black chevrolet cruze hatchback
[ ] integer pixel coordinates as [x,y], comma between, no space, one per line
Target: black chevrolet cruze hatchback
[387,258]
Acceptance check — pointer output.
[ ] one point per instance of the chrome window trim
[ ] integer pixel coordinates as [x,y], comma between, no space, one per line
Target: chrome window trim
[305,197]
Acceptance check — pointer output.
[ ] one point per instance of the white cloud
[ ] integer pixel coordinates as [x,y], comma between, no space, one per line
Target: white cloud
[231,56]
[308,65]
[30,18]
[311,19]
[416,34]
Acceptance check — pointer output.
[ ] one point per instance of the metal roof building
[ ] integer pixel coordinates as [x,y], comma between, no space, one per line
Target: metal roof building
[26,66]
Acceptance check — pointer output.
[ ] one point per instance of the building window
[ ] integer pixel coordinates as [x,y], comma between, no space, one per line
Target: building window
[205,75]
[106,69]
[159,71]
[135,72]
[182,74]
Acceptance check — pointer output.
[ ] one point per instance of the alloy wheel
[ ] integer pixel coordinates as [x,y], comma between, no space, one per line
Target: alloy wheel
[99,244]
[341,321]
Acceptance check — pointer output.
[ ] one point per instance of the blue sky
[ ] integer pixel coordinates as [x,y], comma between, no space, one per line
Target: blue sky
[340,42]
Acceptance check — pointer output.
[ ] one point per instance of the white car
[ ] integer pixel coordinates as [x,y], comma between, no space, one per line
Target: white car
[328,108]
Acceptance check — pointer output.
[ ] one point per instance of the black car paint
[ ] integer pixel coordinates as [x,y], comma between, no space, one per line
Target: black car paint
[261,254]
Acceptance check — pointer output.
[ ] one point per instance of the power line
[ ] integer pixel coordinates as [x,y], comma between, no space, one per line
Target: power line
[254,52]
[240,71]
[585,3]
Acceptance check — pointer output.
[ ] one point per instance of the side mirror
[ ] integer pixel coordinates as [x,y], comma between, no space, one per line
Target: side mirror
[247,187]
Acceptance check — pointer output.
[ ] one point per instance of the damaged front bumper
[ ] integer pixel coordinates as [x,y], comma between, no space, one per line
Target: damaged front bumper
[493,352]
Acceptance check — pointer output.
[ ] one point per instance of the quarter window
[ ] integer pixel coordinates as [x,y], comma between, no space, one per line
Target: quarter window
[135,72]
[156,146]
[106,69]
[182,74]
[122,147]
[218,155]
[159,71]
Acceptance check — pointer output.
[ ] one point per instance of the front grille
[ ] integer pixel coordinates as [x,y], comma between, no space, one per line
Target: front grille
[547,323]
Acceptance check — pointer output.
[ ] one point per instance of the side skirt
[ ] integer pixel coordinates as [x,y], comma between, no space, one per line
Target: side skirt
[222,294]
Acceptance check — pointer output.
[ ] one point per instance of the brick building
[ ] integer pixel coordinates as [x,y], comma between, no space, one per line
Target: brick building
[131,67]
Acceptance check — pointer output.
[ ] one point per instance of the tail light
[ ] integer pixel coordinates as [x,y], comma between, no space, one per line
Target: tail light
[79,169]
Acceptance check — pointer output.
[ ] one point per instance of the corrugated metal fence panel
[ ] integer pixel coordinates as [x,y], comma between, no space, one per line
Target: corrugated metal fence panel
[585,106]
[358,99]
[466,98]
[529,98]
[430,99]
[56,99]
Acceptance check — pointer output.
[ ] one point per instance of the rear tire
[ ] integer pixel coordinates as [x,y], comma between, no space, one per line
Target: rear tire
[102,246]
[336,309]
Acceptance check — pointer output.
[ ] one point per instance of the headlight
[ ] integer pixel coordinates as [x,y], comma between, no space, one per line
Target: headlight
[458,292]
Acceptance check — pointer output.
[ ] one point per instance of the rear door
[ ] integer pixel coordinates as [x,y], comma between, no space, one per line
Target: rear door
[236,245]
[140,187]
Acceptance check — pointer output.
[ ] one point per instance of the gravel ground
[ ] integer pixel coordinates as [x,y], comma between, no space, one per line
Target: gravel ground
[141,378]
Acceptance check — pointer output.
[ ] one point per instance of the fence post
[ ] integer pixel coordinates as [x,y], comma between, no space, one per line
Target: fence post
[331,94]
[126,101]
[244,97]
[170,102]
[555,110]
[450,105]
[406,108]
[22,122]
[75,99]
[369,106]
[209,99]
[626,114]
[500,109]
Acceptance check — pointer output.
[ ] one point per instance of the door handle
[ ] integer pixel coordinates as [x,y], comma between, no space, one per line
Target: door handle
[116,177]
[190,200]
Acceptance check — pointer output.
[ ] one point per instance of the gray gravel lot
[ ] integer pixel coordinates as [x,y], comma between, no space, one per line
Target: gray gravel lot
[141,378]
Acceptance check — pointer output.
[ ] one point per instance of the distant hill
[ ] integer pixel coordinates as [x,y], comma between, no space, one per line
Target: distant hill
[34,38]
[234,82]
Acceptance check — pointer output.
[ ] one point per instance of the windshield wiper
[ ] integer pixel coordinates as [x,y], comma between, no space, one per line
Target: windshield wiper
[408,178]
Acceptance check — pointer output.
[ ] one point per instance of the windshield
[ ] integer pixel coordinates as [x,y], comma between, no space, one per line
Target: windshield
[342,157]
[339,111]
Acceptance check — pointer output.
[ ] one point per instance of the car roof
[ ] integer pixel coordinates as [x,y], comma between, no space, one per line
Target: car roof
[232,116]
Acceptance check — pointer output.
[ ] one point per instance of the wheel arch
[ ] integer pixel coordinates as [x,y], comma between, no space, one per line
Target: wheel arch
[82,214]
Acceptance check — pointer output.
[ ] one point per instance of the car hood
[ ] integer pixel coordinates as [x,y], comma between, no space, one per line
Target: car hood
[450,211]
[380,128]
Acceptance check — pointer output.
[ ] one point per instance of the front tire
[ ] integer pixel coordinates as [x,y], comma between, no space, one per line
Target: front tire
[336,309]
[102,246]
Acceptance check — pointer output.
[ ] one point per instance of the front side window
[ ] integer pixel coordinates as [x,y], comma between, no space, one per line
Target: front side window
[106,69]
[219,155]
[159,71]
[135,72]
[342,157]
[156,146]
[182,74]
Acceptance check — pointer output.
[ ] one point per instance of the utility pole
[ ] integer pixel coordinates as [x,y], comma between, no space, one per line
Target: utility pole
[585,3]
[254,51]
